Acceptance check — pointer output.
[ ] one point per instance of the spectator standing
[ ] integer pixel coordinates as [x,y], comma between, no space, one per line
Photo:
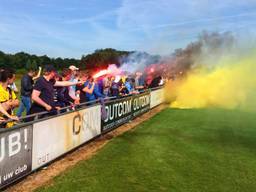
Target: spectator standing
[128,86]
[8,98]
[73,79]
[92,90]
[63,97]
[115,88]
[98,91]
[139,81]
[27,82]
[156,82]
[106,86]
[85,88]
[43,92]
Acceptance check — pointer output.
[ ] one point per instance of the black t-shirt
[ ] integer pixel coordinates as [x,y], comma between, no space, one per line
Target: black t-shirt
[26,85]
[47,90]
[83,98]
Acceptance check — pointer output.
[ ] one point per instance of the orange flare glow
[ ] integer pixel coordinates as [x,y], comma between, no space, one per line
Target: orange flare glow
[100,73]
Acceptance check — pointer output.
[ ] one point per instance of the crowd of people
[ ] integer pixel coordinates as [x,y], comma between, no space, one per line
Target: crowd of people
[49,91]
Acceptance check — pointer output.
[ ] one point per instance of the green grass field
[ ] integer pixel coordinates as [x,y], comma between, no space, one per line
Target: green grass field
[177,150]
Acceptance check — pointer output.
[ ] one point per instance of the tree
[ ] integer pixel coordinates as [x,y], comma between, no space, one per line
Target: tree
[101,58]
[29,65]
[34,65]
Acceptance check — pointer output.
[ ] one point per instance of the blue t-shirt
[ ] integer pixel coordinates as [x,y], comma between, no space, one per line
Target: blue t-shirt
[95,94]
[128,86]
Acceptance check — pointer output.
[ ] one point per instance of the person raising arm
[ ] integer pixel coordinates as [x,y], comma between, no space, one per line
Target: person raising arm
[43,92]
[38,74]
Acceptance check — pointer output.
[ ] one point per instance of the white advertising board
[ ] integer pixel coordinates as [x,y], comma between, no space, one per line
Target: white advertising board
[56,136]
[156,97]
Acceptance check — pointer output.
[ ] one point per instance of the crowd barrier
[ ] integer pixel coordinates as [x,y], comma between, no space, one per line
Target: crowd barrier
[32,145]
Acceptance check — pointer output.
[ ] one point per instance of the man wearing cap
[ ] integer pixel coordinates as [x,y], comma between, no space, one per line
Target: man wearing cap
[43,92]
[74,79]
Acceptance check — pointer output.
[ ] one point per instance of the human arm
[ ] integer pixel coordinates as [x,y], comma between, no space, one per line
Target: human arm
[38,74]
[14,88]
[12,102]
[63,96]
[89,90]
[4,112]
[139,87]
[2,119]
[97,92]
[65,83]
[73,98]
[39,101]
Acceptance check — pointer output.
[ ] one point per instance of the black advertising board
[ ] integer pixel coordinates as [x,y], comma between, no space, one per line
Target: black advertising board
[118,112]
[140,104]
[123,110]
[15,154]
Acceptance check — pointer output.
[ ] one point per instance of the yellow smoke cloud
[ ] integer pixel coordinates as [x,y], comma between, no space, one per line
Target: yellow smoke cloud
[231,84]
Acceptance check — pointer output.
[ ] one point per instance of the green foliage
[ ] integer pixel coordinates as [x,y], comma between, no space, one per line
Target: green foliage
[31,65]
[177,150]
[101,58]
[21,61]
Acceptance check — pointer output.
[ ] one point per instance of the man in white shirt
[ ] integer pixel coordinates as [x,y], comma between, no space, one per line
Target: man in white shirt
[74,79]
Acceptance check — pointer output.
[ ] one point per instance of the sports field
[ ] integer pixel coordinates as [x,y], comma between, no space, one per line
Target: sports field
[176,150]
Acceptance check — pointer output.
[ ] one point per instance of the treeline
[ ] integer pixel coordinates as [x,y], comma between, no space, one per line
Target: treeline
[99,59]
[22,61]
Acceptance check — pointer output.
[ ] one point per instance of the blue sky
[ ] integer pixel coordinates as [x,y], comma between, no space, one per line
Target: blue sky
[68,28]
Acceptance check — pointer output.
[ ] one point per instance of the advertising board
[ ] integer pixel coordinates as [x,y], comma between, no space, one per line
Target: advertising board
[15,154]
[56,136]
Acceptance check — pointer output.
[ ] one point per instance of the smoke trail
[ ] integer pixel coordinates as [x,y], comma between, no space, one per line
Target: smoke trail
[202,52]
[214,71]
[137,61]
[229,83]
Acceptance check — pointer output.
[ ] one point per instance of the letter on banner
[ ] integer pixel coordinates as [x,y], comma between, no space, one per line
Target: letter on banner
[14,144]
[77,124]
[2,148]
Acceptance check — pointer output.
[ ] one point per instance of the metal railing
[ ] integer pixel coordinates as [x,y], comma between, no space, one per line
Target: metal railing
[61,111]
[68,109]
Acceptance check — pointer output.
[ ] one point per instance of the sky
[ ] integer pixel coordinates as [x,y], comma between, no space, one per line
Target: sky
[65,28]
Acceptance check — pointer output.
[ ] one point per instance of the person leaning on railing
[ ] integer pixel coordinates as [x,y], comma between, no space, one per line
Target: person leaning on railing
[43,92]
[8,98]
[86,88]
[91,89]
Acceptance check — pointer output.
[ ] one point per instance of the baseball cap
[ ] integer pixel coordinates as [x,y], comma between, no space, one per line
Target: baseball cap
[73,68]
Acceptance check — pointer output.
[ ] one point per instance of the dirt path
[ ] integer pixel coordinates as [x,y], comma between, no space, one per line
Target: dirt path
[45,176]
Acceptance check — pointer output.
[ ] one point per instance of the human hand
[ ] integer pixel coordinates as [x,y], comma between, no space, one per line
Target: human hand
[77,102]
[2,119]
[58,108]
[15,118]
[48,107]
[81,82]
